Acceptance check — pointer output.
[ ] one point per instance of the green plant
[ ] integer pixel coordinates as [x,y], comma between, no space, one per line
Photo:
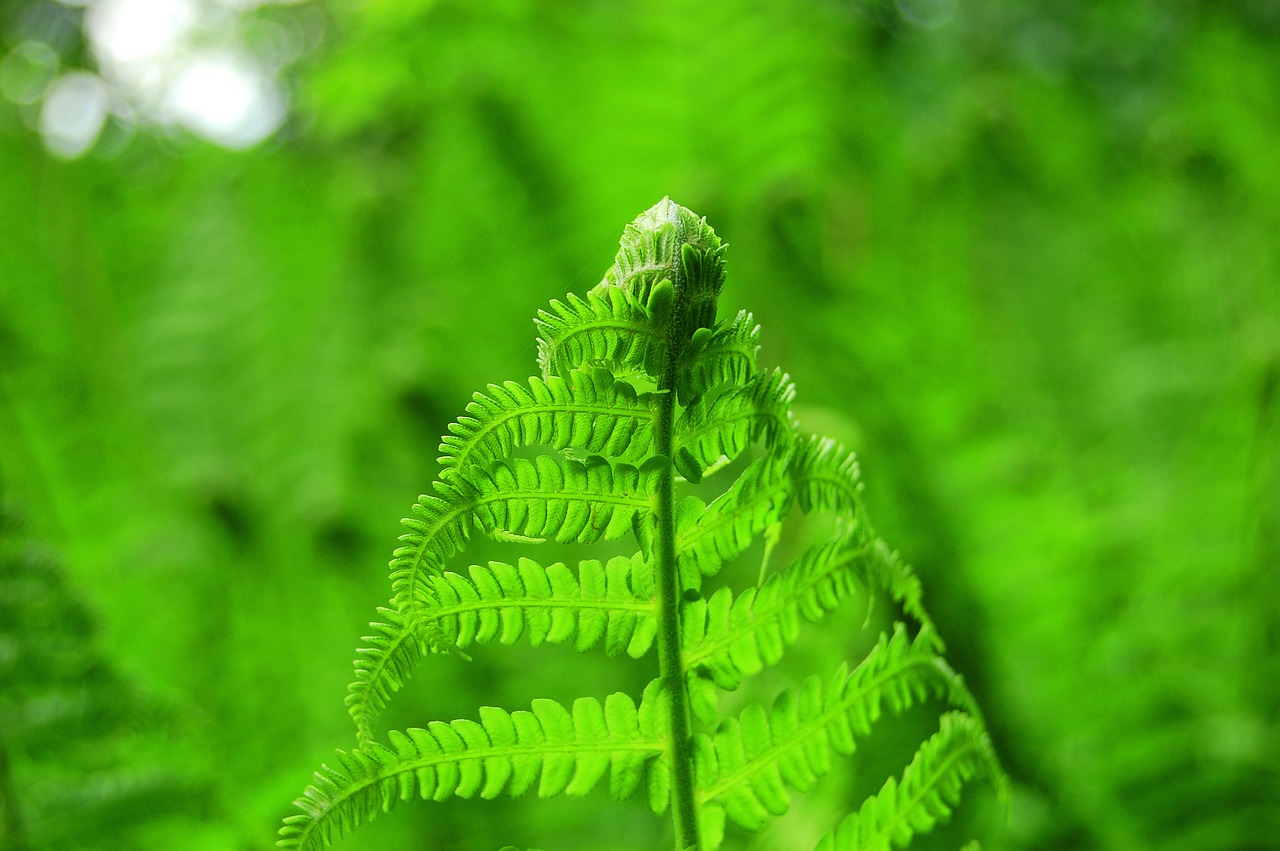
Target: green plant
[84,752]
[641,390]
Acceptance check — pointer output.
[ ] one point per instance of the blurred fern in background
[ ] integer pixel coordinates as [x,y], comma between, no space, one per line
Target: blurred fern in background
[83,754]
[1032,249]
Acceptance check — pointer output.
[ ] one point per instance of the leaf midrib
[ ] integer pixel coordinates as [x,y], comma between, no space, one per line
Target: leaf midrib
[758,616]
[334,803]
[410,580]
[901,813]
[471,442]
[797,738]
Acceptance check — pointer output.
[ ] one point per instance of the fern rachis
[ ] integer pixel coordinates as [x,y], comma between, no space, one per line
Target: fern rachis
[607,462]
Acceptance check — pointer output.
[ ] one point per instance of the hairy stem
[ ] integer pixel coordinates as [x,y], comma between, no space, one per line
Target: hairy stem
[671,670]
[684,807]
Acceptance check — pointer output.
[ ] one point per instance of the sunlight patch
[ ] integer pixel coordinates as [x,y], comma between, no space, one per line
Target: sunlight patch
[225,99]
[209,67]
[73,114]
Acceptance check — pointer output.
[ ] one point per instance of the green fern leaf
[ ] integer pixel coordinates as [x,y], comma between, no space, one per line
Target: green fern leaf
[589,412]
[382,666]
[734,420]
[725,355]
[752,759]
[502,603]
[727,638]
[550,748]
[562,499]
[820,475]
[927,793]
[827,478]
[708,536]
[670,243]
[608,328]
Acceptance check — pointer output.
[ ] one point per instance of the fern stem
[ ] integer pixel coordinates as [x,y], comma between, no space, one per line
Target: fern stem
[670,667]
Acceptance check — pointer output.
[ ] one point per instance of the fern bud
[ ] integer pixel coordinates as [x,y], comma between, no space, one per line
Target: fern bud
[668,242]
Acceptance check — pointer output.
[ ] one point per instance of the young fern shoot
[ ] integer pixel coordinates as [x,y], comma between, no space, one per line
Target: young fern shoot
[641,394]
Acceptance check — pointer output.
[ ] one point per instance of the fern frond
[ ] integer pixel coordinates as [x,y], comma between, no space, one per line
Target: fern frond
[819,475]
[709,535]
[88,757]
[608,328]
[928,791]
[550,748]
[382,666]
[888,572]
[580,456]
[589,412]
[503,603]
[622,324]
[734,420]
[827,478]
[725,354]
[564,500]
[752,759]
[728,638]
[548,497]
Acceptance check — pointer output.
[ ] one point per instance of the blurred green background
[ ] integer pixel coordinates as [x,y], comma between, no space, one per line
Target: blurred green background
[1024,260]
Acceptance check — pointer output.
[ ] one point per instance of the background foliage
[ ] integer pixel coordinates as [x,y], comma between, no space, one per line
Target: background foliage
[1023,261]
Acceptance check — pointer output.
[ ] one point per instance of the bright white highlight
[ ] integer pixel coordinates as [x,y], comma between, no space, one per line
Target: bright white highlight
[225,99]
[73,113]
[135,31]
[178,63]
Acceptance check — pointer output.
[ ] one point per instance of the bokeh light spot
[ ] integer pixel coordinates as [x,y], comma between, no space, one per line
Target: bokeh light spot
[129,31]
[27,71]
[73,114]
[928,14]
[227,100]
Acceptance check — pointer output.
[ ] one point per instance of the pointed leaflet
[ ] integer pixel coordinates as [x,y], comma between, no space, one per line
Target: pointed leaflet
[730,422]
[566,500]
[590,413]
[751,760]
[382,666]
[503,603]
[558,751]
[827,478]
[608,328]
[708,536]
[725,354]
[727,638]
[928,791]
[818,475]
